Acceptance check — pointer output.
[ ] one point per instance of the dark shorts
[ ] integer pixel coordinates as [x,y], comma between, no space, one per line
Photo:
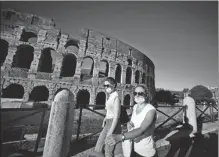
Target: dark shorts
[110,151]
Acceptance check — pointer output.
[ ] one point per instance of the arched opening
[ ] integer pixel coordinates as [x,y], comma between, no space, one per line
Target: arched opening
[103,69]
[143,78]
[137,74]
[29,37]
[129,62]
[100,100]
[118,73]
[126,101]
[87,68]
[8,14]
[83,98]
[13,91]
[23,57]
[39,93]
[47,60]
[71,42]
[68,65]
[128,75]
[4,51]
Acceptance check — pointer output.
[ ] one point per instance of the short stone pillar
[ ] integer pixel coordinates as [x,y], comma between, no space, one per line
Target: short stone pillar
[60,125]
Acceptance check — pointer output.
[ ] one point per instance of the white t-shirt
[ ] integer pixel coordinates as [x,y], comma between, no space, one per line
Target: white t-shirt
[110,105]
[145,147]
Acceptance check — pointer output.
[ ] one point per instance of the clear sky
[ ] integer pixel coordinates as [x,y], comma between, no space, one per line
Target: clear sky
[181,38]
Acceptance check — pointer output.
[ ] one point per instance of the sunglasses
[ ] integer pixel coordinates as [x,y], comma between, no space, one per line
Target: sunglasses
[139,93]
[106,85]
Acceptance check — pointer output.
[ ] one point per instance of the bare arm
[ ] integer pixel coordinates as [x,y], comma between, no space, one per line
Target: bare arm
[117,111]
[148,120]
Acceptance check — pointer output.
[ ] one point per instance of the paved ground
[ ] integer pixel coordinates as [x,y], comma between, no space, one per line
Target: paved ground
[81,149]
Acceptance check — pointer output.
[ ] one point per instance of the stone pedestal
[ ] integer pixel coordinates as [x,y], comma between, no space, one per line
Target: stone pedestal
[59,132]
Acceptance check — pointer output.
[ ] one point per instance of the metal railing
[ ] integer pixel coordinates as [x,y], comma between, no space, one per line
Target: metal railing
[7,125]
[89,107]
[170,117]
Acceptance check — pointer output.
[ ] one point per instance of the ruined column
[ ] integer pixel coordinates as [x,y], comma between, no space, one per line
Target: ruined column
[112,69]
[140,77]
[57,69]
[34,64]
[9,58]
[123,79]
[59,131]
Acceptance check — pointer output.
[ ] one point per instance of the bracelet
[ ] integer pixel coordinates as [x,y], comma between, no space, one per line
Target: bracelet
[123,136]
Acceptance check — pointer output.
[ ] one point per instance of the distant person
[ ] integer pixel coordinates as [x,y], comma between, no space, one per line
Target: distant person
[189,117]
[111,123]
[183,139]
[141,126]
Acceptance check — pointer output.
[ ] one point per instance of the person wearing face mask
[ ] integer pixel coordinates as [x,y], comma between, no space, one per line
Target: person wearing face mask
[143,124]
[111,123]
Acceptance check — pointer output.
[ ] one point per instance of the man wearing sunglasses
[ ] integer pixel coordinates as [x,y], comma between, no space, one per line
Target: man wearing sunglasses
[142,132]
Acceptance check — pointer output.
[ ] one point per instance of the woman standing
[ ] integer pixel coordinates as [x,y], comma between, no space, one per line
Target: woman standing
[143,121]
[111,123]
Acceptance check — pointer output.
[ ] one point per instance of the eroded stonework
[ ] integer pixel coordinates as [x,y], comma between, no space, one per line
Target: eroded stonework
[38,58]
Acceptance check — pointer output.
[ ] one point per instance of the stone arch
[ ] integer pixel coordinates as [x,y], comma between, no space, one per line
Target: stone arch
[23,56]
[100,100]
[129,62]
[143,78]
[28,36]
[47,60]
[13,91]
[137,75]
[103,69]
[127,100]
[72,42]
[118,73]
[39,93]
[87,67]
[68,65]
[4,51]
[128,75]
[83,98]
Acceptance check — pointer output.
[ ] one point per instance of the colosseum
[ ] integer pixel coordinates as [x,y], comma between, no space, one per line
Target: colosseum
[38,60]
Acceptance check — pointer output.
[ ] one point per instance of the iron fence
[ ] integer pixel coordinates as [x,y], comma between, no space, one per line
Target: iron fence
[6,124]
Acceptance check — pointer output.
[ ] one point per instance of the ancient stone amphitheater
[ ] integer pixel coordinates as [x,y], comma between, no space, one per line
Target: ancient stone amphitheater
[37,60]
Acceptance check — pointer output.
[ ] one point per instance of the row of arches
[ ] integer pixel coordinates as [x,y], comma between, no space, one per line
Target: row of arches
[41,93]
[31,37]
[25,55]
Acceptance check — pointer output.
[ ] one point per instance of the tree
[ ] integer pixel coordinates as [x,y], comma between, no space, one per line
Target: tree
[164,96]
[200,92]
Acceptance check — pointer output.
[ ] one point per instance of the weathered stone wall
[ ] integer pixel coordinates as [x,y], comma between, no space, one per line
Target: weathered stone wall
[37,35]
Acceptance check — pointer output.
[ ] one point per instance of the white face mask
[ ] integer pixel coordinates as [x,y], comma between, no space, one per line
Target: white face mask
[108,90]
[139,100]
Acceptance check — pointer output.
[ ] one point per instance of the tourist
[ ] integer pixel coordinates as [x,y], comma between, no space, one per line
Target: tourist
[182,141]
[143,120]
[111,123]
[189,116]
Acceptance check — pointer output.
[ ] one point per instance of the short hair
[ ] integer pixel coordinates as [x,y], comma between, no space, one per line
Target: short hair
[112,81]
